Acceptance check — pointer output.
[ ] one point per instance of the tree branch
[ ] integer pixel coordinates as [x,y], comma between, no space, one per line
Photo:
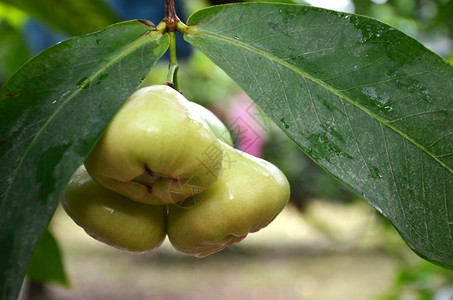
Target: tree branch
[170,15]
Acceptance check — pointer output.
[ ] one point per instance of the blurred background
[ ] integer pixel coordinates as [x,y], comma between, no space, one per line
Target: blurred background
[327,243]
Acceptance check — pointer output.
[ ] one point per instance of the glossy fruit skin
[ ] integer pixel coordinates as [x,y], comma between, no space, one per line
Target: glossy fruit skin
[156,149]
[166,166]
[248,195]
[112,218]
[214,124]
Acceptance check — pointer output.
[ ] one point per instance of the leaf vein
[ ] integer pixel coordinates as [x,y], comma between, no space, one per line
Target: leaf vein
[398,192]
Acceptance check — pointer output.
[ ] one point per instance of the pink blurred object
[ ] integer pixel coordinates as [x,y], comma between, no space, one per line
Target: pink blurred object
[246,124]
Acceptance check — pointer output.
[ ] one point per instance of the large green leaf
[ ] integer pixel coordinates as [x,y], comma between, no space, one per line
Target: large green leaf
[74,17]
[52,111]
[369,104]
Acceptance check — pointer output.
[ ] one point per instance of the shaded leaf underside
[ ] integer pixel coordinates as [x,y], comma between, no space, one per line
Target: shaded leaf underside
[52,111]
[369,104]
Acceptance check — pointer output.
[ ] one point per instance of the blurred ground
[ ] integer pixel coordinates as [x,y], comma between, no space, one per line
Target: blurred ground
[334,252]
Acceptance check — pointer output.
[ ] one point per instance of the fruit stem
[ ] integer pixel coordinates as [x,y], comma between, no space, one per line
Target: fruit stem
[172,78]
[171,19]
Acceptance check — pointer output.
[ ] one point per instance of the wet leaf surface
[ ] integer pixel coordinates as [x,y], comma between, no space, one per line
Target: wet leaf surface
[369,104]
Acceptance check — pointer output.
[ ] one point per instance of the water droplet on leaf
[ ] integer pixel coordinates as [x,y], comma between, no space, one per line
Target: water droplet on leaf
[101,78]
[83,83]
[284,122]
[375,173]
[61,97]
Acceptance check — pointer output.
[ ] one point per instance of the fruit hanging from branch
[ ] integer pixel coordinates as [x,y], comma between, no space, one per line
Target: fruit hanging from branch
[165,165]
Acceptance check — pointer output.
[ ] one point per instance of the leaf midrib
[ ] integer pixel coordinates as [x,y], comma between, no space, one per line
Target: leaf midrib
[134,45]
[209,34]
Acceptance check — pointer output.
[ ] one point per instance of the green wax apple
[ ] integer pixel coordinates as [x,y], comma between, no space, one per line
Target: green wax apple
[112,218]
[157,149]
[248,195]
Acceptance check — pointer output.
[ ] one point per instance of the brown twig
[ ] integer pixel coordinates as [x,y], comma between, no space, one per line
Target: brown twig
[170,15]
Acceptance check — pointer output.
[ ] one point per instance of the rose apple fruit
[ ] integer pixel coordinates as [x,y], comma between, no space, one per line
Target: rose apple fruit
[156,150]
[112,218]
[214,124]
[248,195]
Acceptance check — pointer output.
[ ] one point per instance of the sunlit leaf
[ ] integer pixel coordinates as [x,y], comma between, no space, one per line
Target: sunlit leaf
[369,104]
[52,111]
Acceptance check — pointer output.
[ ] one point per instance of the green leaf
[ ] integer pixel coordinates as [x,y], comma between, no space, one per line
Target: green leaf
[369,104]
[52,111]
[74,17]
[46,264]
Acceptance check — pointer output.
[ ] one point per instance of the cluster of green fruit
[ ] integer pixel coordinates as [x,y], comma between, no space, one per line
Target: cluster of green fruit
[165,167]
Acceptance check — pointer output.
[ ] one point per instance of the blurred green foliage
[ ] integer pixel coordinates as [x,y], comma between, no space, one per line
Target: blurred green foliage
[422,281]
[421,16]
[13,52]
[74,17]
[429,21]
